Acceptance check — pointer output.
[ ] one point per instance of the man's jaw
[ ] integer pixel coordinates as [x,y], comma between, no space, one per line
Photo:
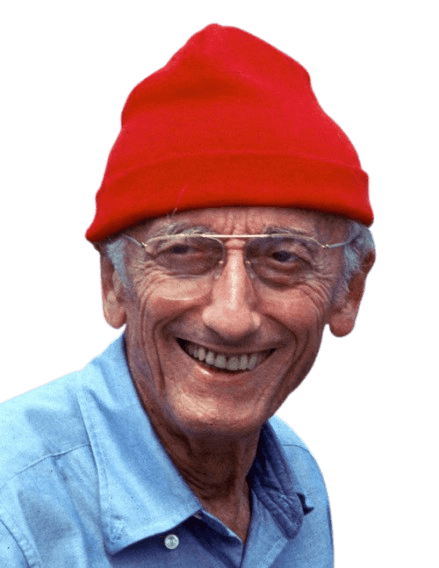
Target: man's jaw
[230,362]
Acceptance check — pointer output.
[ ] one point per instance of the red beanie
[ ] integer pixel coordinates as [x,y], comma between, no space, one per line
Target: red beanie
[229,121]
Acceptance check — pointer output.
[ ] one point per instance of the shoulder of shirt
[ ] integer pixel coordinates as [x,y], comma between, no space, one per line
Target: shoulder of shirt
[40,423]
[44,422]
[286,435]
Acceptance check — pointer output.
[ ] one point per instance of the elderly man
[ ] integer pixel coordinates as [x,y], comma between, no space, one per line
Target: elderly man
[232,227]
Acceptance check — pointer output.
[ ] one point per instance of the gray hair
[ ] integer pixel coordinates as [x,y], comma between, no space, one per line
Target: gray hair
[361,243]
[114,249]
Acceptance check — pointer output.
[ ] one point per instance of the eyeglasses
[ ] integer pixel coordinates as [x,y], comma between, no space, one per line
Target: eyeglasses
[190,262]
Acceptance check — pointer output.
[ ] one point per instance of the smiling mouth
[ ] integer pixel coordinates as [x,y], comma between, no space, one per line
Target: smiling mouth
[225,361]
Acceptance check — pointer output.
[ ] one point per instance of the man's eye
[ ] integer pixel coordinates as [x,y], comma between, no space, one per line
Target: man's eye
[173,248]
[287,254]
[178,249]
[187,256]
[284,256]
[187,250]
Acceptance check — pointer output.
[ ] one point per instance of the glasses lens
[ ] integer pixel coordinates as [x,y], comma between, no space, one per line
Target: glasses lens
[186,255]
[281,261]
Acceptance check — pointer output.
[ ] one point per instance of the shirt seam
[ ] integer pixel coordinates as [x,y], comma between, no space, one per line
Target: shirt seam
[39,460]
[303,448]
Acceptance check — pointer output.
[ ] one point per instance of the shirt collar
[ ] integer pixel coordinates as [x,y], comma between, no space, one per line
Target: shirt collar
[276,486]
[141,491]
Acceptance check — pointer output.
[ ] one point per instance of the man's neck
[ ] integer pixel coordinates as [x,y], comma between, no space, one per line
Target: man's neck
[215,468]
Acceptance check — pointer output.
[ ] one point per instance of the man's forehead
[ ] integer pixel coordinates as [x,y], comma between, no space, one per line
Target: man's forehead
[245,220]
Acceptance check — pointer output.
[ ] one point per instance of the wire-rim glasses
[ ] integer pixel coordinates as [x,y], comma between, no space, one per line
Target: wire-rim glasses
[191,260]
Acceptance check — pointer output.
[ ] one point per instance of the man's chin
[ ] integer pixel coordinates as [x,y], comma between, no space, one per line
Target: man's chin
[217,421]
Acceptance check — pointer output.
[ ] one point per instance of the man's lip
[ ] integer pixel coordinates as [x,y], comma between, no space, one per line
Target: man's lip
[230,361]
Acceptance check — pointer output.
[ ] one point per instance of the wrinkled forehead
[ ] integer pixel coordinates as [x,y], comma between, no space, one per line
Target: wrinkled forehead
[247,220]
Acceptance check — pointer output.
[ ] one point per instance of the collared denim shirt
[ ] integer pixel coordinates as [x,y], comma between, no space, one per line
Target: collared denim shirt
[85,482]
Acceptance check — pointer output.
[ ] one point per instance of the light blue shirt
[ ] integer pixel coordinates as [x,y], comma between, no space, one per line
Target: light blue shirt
[85,482]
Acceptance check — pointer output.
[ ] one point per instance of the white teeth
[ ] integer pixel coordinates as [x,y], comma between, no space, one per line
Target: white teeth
[210,358]
[224,361]
[220,362]
[253,361]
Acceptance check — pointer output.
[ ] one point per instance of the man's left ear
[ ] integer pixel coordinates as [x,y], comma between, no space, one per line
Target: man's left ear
[342,319]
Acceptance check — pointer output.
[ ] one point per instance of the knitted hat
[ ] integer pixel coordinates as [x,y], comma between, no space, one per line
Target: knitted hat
[229,121]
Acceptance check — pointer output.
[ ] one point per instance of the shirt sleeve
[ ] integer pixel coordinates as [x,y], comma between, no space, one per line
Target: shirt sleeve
[11,554]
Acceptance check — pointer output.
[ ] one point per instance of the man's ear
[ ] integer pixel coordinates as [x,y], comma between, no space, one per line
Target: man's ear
[112,294]
[342,319]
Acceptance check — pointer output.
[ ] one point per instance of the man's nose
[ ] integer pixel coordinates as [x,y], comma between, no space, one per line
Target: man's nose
[232,309]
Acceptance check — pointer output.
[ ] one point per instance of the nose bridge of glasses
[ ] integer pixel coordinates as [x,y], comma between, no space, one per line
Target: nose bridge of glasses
[234,248]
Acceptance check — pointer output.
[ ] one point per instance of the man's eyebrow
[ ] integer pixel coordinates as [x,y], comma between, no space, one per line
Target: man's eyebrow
[181,228]
[271,229]
[184,228]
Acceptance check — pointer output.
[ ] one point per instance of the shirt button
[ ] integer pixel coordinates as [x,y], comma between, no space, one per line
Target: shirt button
[172,541]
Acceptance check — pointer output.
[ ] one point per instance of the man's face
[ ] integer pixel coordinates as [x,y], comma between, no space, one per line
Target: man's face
[272,334]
